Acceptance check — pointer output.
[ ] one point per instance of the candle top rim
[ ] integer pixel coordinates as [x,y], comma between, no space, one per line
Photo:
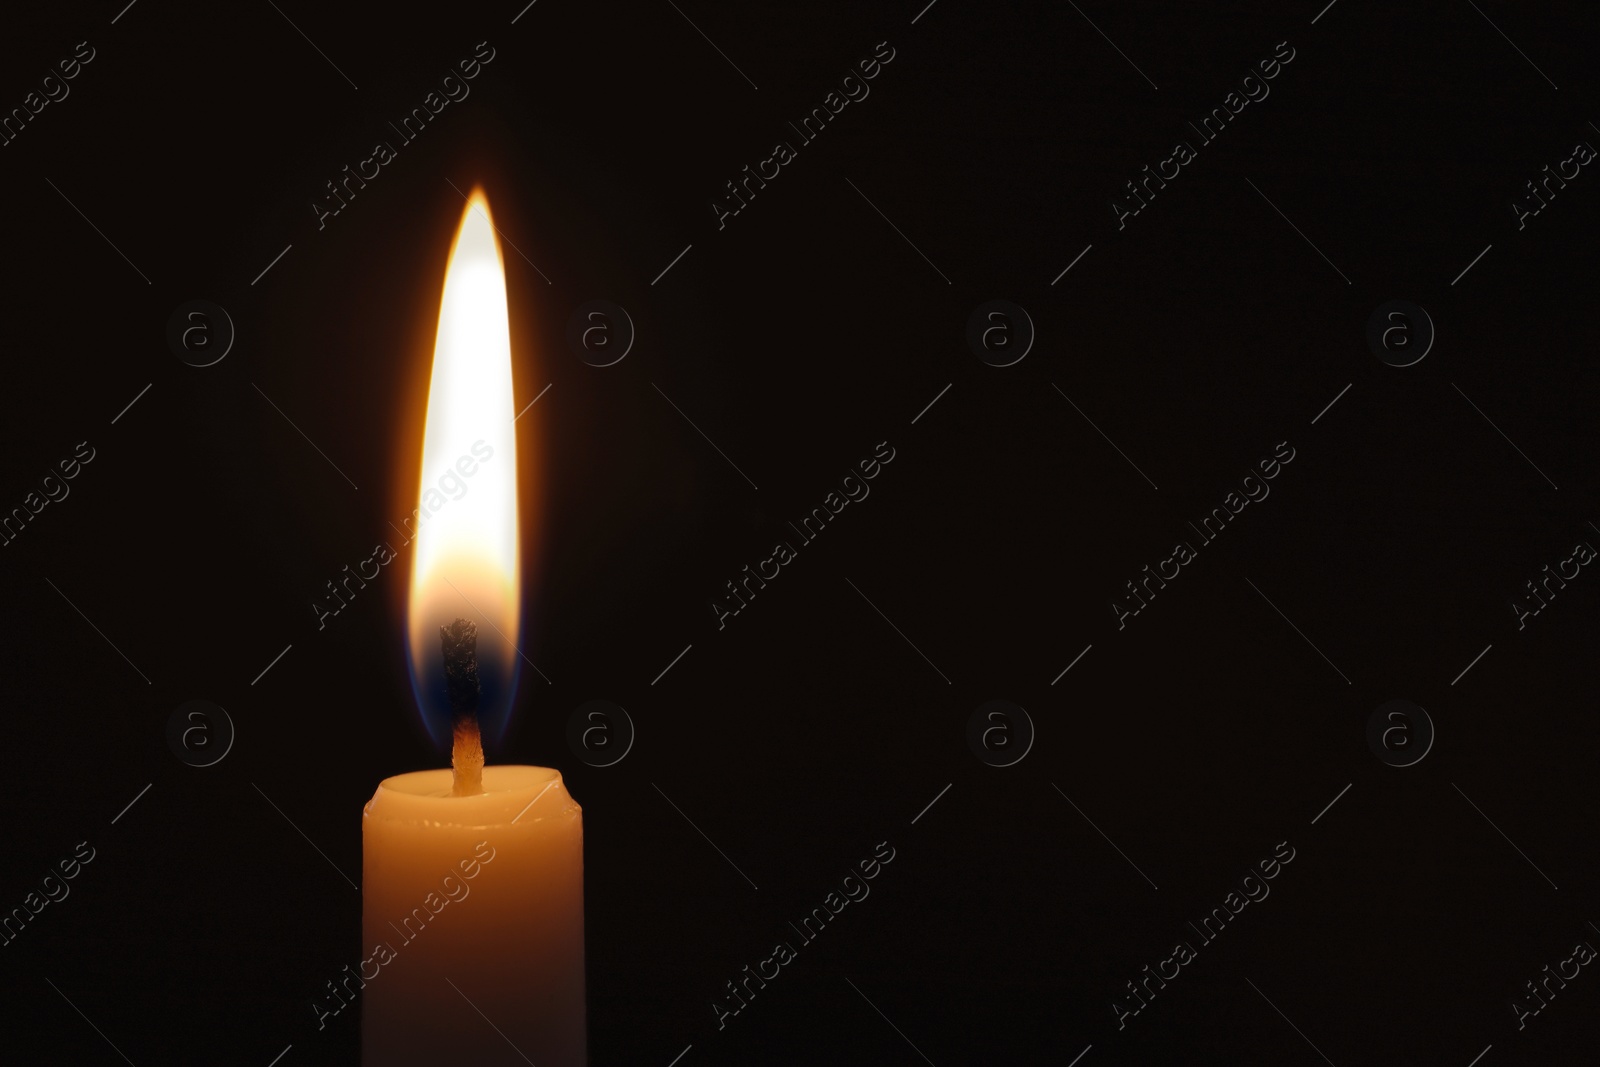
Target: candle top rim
[512,793]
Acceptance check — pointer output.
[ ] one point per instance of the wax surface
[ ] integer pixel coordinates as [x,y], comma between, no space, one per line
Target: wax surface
[472,919]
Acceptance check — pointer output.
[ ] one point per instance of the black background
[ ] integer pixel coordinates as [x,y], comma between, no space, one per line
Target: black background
[806,331]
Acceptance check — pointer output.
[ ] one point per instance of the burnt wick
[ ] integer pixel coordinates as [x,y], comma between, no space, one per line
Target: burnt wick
[459,641]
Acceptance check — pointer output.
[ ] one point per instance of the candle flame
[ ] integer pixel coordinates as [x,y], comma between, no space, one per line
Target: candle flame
[465,562]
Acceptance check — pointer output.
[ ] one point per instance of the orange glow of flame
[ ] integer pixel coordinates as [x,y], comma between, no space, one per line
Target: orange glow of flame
[466,561]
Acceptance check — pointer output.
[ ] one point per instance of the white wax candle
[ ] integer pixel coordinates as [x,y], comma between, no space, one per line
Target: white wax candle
[472,922]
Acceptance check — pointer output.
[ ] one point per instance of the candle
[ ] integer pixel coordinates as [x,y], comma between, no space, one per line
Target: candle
[472,896]
[472,913]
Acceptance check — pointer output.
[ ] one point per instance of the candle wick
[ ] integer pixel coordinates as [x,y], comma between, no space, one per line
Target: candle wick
[459,641]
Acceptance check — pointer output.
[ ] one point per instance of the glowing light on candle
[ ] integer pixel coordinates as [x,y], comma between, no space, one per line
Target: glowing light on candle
[466,562]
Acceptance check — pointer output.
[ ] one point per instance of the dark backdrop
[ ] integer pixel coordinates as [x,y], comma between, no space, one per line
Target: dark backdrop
[1177,352]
